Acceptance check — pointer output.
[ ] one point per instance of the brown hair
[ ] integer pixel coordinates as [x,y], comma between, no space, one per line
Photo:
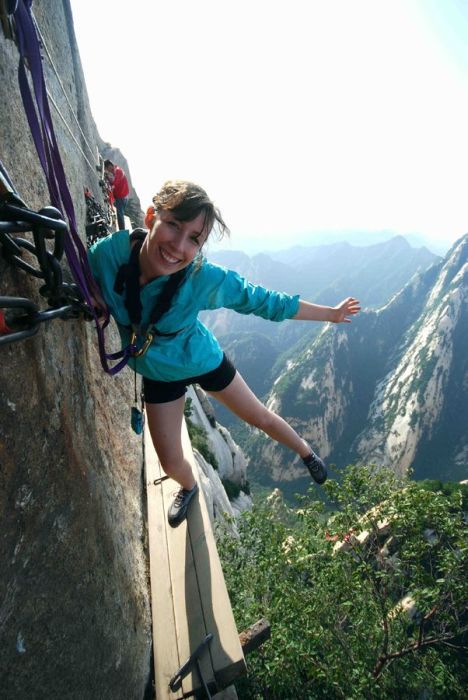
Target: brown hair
[186,200]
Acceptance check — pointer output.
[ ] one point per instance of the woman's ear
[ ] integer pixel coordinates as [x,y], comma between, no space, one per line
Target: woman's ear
[150,217]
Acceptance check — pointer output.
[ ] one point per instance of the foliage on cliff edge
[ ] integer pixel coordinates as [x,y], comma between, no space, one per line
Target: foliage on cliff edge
[368,601]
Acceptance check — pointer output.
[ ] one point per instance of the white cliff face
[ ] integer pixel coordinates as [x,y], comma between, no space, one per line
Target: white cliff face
[329,388]
[219,508]
[232,463]
[409,400]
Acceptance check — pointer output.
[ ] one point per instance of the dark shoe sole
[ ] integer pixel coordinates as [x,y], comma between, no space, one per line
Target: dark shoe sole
[316,467]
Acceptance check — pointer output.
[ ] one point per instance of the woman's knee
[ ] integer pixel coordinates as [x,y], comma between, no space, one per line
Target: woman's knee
[171,456]
[264,419]
[170,464]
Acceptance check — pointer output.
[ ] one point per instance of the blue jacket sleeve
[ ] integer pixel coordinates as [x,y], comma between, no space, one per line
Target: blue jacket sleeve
[227,289]
[94,262]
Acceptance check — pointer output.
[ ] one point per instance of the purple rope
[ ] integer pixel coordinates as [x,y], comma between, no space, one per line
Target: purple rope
[40,122]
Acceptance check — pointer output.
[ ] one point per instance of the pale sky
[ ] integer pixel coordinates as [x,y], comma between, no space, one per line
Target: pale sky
[297,117]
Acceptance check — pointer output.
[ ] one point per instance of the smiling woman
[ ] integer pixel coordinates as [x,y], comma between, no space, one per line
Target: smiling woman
[180,221]
[155,285]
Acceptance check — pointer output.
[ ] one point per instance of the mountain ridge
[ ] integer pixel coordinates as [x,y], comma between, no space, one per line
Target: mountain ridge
[382,388]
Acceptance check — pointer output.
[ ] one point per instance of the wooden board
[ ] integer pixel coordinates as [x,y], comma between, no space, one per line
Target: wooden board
[188,593]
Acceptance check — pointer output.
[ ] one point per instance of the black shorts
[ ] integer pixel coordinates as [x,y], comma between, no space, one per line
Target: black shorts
[161,392]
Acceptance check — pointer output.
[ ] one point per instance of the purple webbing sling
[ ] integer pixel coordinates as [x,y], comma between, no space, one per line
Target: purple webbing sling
[42,131]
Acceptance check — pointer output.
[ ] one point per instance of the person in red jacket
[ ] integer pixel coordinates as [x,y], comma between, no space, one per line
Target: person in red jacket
[120,190]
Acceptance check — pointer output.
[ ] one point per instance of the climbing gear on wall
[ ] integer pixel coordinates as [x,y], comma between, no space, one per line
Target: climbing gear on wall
[24,321]
[7,7]
[97,221]
[37,110]
[20,317]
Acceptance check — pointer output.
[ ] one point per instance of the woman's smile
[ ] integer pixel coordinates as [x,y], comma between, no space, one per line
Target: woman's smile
[168,257]
[171,245]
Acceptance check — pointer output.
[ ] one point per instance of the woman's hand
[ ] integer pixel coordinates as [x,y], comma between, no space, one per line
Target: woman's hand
[348,307]
[333,314]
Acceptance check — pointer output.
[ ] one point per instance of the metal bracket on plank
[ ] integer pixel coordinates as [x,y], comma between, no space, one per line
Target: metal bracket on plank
[193,661]
[155,482]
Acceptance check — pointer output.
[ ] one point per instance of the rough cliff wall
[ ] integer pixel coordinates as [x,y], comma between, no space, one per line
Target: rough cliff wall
[74,608]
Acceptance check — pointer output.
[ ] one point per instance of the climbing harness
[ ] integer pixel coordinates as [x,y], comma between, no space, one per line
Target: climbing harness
[127,282]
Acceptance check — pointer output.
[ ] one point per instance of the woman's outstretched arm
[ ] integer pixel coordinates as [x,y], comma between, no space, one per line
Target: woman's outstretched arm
[334,314]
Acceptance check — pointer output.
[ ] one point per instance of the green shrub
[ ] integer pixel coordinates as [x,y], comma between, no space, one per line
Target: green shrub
[336,629]
[245,487]
[232,489]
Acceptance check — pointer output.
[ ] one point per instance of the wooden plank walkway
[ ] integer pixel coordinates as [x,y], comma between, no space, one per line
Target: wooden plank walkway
[188,592]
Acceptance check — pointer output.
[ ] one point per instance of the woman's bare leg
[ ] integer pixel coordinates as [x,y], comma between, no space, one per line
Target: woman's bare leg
[165,423]
[239,398]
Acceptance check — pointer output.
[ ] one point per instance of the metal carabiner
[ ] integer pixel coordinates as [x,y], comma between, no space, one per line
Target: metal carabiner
[144,347]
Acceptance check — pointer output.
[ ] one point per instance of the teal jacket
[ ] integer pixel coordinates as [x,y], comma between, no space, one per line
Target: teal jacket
[195,349]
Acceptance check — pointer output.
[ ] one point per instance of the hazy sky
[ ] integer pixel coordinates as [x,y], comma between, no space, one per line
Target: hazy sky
[297,117]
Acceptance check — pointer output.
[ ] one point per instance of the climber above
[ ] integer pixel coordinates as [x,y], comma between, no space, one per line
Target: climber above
[120,190]
[155,285]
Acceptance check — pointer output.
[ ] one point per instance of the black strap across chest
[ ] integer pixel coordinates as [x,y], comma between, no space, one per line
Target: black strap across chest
[127,282]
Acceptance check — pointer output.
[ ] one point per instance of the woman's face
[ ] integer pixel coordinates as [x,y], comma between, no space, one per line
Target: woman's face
[173,244]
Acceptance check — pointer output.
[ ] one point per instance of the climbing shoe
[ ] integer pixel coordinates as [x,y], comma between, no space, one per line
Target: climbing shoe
[316,467]
[178,510]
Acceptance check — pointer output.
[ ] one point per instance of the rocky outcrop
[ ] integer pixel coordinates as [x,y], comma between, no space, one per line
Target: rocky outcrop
[417,411]
[231,463]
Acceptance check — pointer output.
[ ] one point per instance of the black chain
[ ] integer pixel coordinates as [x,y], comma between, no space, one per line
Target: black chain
[19,317]
[98,219]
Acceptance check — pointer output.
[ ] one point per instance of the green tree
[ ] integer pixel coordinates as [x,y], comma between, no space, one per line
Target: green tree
[368,601]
